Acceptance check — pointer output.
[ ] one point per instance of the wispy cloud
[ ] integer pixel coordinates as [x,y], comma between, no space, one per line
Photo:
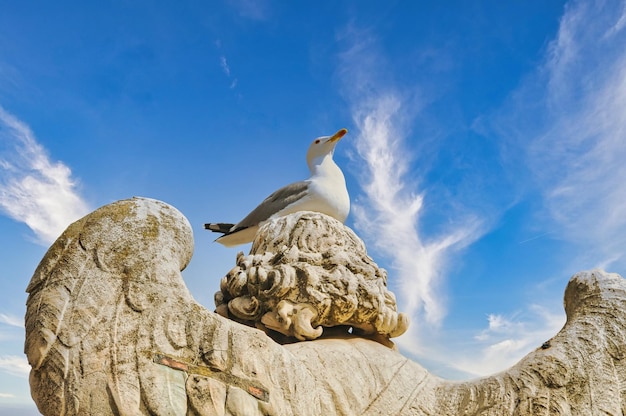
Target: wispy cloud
[568,122]
[564,128]
[389,211]
[14,365]
[6,396]
[11,320]
[226,69]
[507,339]
[224,65]
[567,125]
[33,189]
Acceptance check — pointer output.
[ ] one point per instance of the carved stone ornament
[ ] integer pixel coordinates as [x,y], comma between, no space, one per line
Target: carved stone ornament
[307,271]
[111,329]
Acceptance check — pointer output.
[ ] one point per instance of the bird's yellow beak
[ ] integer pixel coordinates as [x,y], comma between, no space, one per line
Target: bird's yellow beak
[335,137]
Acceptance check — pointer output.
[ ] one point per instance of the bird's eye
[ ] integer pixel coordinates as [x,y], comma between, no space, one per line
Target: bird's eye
[317,141]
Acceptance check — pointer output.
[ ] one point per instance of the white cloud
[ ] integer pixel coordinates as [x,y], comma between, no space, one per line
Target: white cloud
[6,396]
[506,340]
[12,320]
[568,121]
[389,211]
[14,365]
[224,65]
[497,323]
[33,189]
[226,69]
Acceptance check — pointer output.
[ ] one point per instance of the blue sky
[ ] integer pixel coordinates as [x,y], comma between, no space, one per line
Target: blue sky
[485,153]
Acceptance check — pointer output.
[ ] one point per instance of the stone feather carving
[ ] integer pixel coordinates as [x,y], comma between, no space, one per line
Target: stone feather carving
[111,329]
[94,312]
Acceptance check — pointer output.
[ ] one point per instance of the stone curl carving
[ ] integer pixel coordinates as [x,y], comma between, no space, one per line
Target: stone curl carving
[307,271]
[111,329]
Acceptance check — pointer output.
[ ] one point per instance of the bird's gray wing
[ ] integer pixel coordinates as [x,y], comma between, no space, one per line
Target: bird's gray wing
[273,204]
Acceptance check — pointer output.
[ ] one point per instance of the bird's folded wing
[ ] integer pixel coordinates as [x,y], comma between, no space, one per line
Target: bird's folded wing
[273,204]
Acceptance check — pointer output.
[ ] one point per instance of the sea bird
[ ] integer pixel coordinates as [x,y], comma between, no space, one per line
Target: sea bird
[325,191]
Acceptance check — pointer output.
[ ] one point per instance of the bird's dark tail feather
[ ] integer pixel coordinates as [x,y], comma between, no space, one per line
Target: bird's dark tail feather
[219,227]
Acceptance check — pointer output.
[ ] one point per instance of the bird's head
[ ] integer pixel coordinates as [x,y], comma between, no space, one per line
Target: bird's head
[322,147]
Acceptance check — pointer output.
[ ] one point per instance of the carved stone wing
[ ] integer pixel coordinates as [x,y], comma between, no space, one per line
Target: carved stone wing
[87,338]
[111,328]
[67,295]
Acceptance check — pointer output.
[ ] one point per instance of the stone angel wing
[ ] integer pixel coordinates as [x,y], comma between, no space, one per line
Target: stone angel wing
[86,313]
[110,325]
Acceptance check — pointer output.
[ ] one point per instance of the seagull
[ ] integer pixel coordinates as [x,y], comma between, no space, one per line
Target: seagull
[325,191]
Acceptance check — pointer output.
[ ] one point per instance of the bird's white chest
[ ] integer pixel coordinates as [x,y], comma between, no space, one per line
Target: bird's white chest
[329,196]
[326,193]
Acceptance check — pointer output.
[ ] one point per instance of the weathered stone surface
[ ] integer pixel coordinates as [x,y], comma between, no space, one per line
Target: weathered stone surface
[112,329]
[580,371]
[306,271]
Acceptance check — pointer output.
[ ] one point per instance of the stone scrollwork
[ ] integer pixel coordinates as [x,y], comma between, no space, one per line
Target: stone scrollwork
[306,272]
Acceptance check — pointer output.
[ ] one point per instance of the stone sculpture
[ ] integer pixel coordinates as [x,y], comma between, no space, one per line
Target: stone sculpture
[308,270]
[112,329]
